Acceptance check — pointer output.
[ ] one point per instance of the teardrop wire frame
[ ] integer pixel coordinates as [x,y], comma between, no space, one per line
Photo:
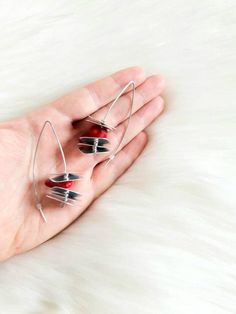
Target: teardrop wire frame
[103,121]
[35,185]
[131,83]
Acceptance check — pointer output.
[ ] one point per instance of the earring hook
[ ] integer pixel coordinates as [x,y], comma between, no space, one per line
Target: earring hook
[35,185]
[131,83]
[95,141]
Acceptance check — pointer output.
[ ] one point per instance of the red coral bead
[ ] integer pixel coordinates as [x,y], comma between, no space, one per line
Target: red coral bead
[49,183]
[97,131]
[65,185]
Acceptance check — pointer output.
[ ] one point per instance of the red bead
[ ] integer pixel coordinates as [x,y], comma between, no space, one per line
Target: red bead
[97,131]
[65,185]
[49,183]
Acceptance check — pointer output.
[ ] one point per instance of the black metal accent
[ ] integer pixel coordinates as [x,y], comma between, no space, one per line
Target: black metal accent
[92,140]
[65,177]
[65,193]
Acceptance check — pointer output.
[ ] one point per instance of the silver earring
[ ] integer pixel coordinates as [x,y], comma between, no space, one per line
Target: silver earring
[95,141]
[59,184]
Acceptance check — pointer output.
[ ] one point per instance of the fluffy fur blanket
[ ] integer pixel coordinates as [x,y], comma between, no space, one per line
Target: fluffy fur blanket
[162,240]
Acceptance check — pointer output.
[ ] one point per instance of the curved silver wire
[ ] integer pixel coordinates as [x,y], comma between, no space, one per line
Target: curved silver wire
[35,185]
[103,123]
[131,83]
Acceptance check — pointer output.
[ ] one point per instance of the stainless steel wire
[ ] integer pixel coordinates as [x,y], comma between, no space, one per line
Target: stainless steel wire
[115,150]
[38,202]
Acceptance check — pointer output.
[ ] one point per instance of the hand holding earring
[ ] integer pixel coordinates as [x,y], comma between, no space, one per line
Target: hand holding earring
[18,214]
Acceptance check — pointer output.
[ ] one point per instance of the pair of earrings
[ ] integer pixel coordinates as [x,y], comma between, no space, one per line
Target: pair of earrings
[95,141]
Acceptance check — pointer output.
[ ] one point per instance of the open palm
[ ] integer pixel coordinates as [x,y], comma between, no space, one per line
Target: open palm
[21,225]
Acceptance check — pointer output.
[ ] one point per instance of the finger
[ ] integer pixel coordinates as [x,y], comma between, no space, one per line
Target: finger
[80,103]
[149,89]
[138,122]
[105,175]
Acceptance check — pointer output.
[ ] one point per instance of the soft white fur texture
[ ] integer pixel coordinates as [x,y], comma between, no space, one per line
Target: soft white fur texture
[162,240]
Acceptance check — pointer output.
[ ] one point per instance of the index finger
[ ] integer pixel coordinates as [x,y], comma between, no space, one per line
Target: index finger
[86,100]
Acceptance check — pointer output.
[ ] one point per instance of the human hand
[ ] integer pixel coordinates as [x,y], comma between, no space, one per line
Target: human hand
[22,227]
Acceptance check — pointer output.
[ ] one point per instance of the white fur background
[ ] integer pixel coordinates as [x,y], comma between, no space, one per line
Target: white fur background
[163,239]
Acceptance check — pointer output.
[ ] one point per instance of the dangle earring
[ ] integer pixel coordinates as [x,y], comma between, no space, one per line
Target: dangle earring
[59,184]
[95,141]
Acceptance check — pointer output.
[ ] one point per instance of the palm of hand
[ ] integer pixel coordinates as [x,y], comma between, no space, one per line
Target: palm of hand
[21,224]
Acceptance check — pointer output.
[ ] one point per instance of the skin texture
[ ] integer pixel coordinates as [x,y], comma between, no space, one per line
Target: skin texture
[22,227]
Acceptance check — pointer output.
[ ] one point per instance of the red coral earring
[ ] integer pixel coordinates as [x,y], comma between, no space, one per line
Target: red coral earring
[59,184]
[95,141]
